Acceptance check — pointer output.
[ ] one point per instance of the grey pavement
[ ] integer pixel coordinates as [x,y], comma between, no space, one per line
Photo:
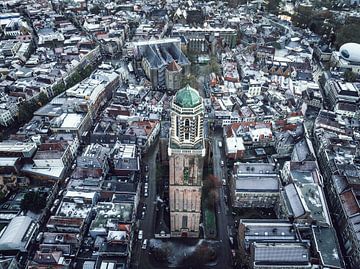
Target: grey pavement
[141,257]
[224,258]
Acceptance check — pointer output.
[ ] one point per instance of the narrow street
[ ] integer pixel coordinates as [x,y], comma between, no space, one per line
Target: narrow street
[223,215]
[141,258]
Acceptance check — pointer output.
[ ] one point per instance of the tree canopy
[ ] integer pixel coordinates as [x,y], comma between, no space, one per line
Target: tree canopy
[26,111]
[273,6]
[189,79]
[33,201]
[348,33]
[325,24]
[350,76]
[210,191]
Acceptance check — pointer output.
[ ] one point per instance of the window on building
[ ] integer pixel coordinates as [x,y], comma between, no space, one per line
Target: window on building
[197,127]
[177,126]
[184,222]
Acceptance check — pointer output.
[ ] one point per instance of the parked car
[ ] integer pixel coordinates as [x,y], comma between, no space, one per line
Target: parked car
[53,209]
[143,215]
[146,168]
[57,202]
[222,163]
[144,244]
[224,182]
[39,237]
[140,235]
[146,185]
[61,192]
[146,194]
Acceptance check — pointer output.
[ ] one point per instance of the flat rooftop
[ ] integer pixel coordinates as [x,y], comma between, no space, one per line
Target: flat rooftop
[72,120]
[65,238]
[8,161]
[77,210]
[15,146]
[327,246]
[109,215]
[290,254]
[268,230]
[257,184]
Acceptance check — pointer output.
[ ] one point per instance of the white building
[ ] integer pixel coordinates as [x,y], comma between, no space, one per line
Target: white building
[348,57]
[254,88]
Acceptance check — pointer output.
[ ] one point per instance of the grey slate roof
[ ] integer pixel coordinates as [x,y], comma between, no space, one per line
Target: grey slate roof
[18,234]
[288,253]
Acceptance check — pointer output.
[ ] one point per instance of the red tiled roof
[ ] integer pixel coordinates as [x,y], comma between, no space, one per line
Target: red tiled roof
[350,202]
[174,67]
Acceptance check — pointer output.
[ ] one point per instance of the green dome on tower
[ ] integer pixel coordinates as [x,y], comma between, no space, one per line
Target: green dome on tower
[187,97]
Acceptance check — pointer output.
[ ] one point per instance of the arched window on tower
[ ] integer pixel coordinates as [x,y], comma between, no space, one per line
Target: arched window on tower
[177,126]
[197,127]
[187,129]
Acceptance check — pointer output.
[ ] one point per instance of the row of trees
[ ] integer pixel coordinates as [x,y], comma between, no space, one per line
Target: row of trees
[210,191]
[27,109]
[210,197]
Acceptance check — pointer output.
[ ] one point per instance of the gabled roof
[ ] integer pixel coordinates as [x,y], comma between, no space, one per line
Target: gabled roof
[173,66]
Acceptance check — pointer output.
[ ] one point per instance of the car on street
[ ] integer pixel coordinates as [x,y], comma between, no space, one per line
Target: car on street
[144,244]
[220,144]
[39,236]
[146,194]
[231,241]
[146,168]
[61,192]
[222,163]
[140,235]
[146,178]
[146,185]
[57,202]
[143,215]
[224,182]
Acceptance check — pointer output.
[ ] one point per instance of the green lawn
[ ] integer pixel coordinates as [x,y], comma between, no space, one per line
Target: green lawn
[209,223]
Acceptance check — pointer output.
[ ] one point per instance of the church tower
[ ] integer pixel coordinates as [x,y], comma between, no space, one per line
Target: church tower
[186,157]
